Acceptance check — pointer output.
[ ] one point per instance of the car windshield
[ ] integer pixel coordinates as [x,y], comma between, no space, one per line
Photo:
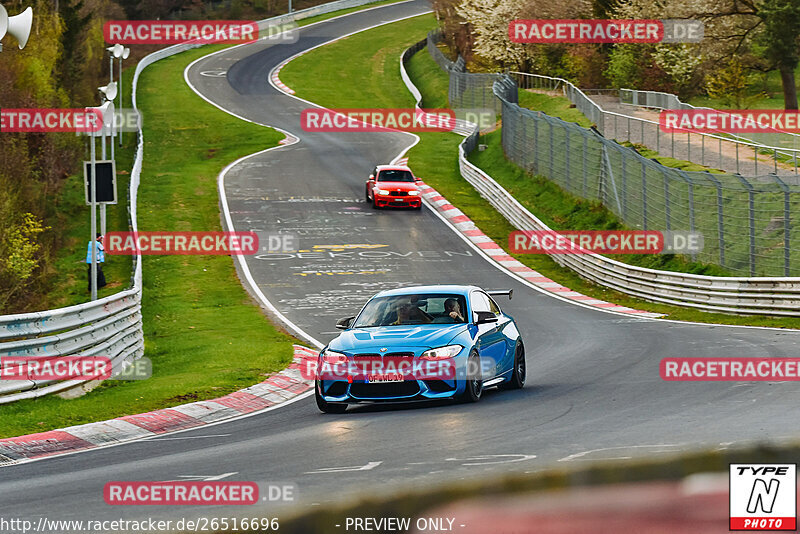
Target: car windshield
[394,175]
[412,309]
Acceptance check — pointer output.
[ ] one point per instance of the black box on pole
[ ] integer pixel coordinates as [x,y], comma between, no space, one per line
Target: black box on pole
[106,180]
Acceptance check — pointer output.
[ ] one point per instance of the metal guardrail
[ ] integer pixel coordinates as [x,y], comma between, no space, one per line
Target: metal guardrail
[778,296]
[111,326]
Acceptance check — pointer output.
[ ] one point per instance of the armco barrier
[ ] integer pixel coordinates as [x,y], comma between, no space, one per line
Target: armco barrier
[112,326]
[778,296]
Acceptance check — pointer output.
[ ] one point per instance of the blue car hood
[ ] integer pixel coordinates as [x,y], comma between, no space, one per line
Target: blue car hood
[396,337]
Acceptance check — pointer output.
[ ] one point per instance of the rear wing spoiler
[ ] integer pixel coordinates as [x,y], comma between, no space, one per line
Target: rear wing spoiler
[501,293]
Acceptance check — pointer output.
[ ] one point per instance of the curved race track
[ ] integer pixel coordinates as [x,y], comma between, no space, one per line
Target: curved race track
[594,389]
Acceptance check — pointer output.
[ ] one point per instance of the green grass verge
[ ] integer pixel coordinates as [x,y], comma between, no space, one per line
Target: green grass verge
[432,82]
[555,106]
[204,335]
[326,16]
[370,78]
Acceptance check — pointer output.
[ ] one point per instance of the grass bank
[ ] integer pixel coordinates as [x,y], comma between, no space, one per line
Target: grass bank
[203,333]
[370,78]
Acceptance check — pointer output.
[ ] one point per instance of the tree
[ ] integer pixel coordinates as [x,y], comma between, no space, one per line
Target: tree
[736,28]
[779,36]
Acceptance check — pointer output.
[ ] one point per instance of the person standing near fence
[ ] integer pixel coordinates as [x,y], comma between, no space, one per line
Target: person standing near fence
[101,257]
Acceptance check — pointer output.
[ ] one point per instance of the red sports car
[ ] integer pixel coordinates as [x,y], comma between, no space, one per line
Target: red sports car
[393,186]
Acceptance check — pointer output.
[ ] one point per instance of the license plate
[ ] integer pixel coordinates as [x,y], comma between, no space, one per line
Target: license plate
[398,200]
[383,378]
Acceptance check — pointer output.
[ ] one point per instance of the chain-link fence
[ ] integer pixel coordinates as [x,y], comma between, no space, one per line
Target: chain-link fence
[786,143]
[746,222]
[751,156]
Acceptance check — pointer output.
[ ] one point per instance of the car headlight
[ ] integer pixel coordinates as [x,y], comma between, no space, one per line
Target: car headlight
[332,357]
[413,193]
[383,191]
[441,353]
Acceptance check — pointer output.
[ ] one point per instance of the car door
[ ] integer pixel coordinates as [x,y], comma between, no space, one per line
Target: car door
[506,361]
[490,343]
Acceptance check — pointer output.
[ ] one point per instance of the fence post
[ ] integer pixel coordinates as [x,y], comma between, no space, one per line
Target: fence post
[690,189]
[786,225]
[550,123]
[624,187]
[755,151]
[751,221]
[658,139]
[644,197]
[666,198]
[584,166]
[688,146]
[566,157]
[702,149]
[720,216]
[536,141]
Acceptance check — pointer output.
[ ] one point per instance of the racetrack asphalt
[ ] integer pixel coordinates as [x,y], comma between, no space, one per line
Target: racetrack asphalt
[593,391]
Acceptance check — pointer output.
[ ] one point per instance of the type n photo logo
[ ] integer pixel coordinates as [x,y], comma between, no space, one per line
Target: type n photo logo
[763,497]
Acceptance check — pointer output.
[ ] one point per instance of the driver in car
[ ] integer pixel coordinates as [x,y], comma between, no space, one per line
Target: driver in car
[408,313]
[453,310]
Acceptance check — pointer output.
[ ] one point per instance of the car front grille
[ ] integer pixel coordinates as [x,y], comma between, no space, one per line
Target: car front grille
[396,356]
[361,390]
[398,193]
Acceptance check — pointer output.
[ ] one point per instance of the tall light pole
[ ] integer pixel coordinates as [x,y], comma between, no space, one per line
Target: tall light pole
[109,93]
[113,51]
[125,53]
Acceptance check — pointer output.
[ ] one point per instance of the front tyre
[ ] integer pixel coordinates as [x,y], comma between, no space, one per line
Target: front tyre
[520,370]
[325,406]
[474,386]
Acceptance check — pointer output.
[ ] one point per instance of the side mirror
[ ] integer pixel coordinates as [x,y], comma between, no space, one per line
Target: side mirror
[344,323]
[483,317]
[371,177]
[417,179]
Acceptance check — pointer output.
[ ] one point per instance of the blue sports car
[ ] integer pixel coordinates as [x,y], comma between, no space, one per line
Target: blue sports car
[421,343]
